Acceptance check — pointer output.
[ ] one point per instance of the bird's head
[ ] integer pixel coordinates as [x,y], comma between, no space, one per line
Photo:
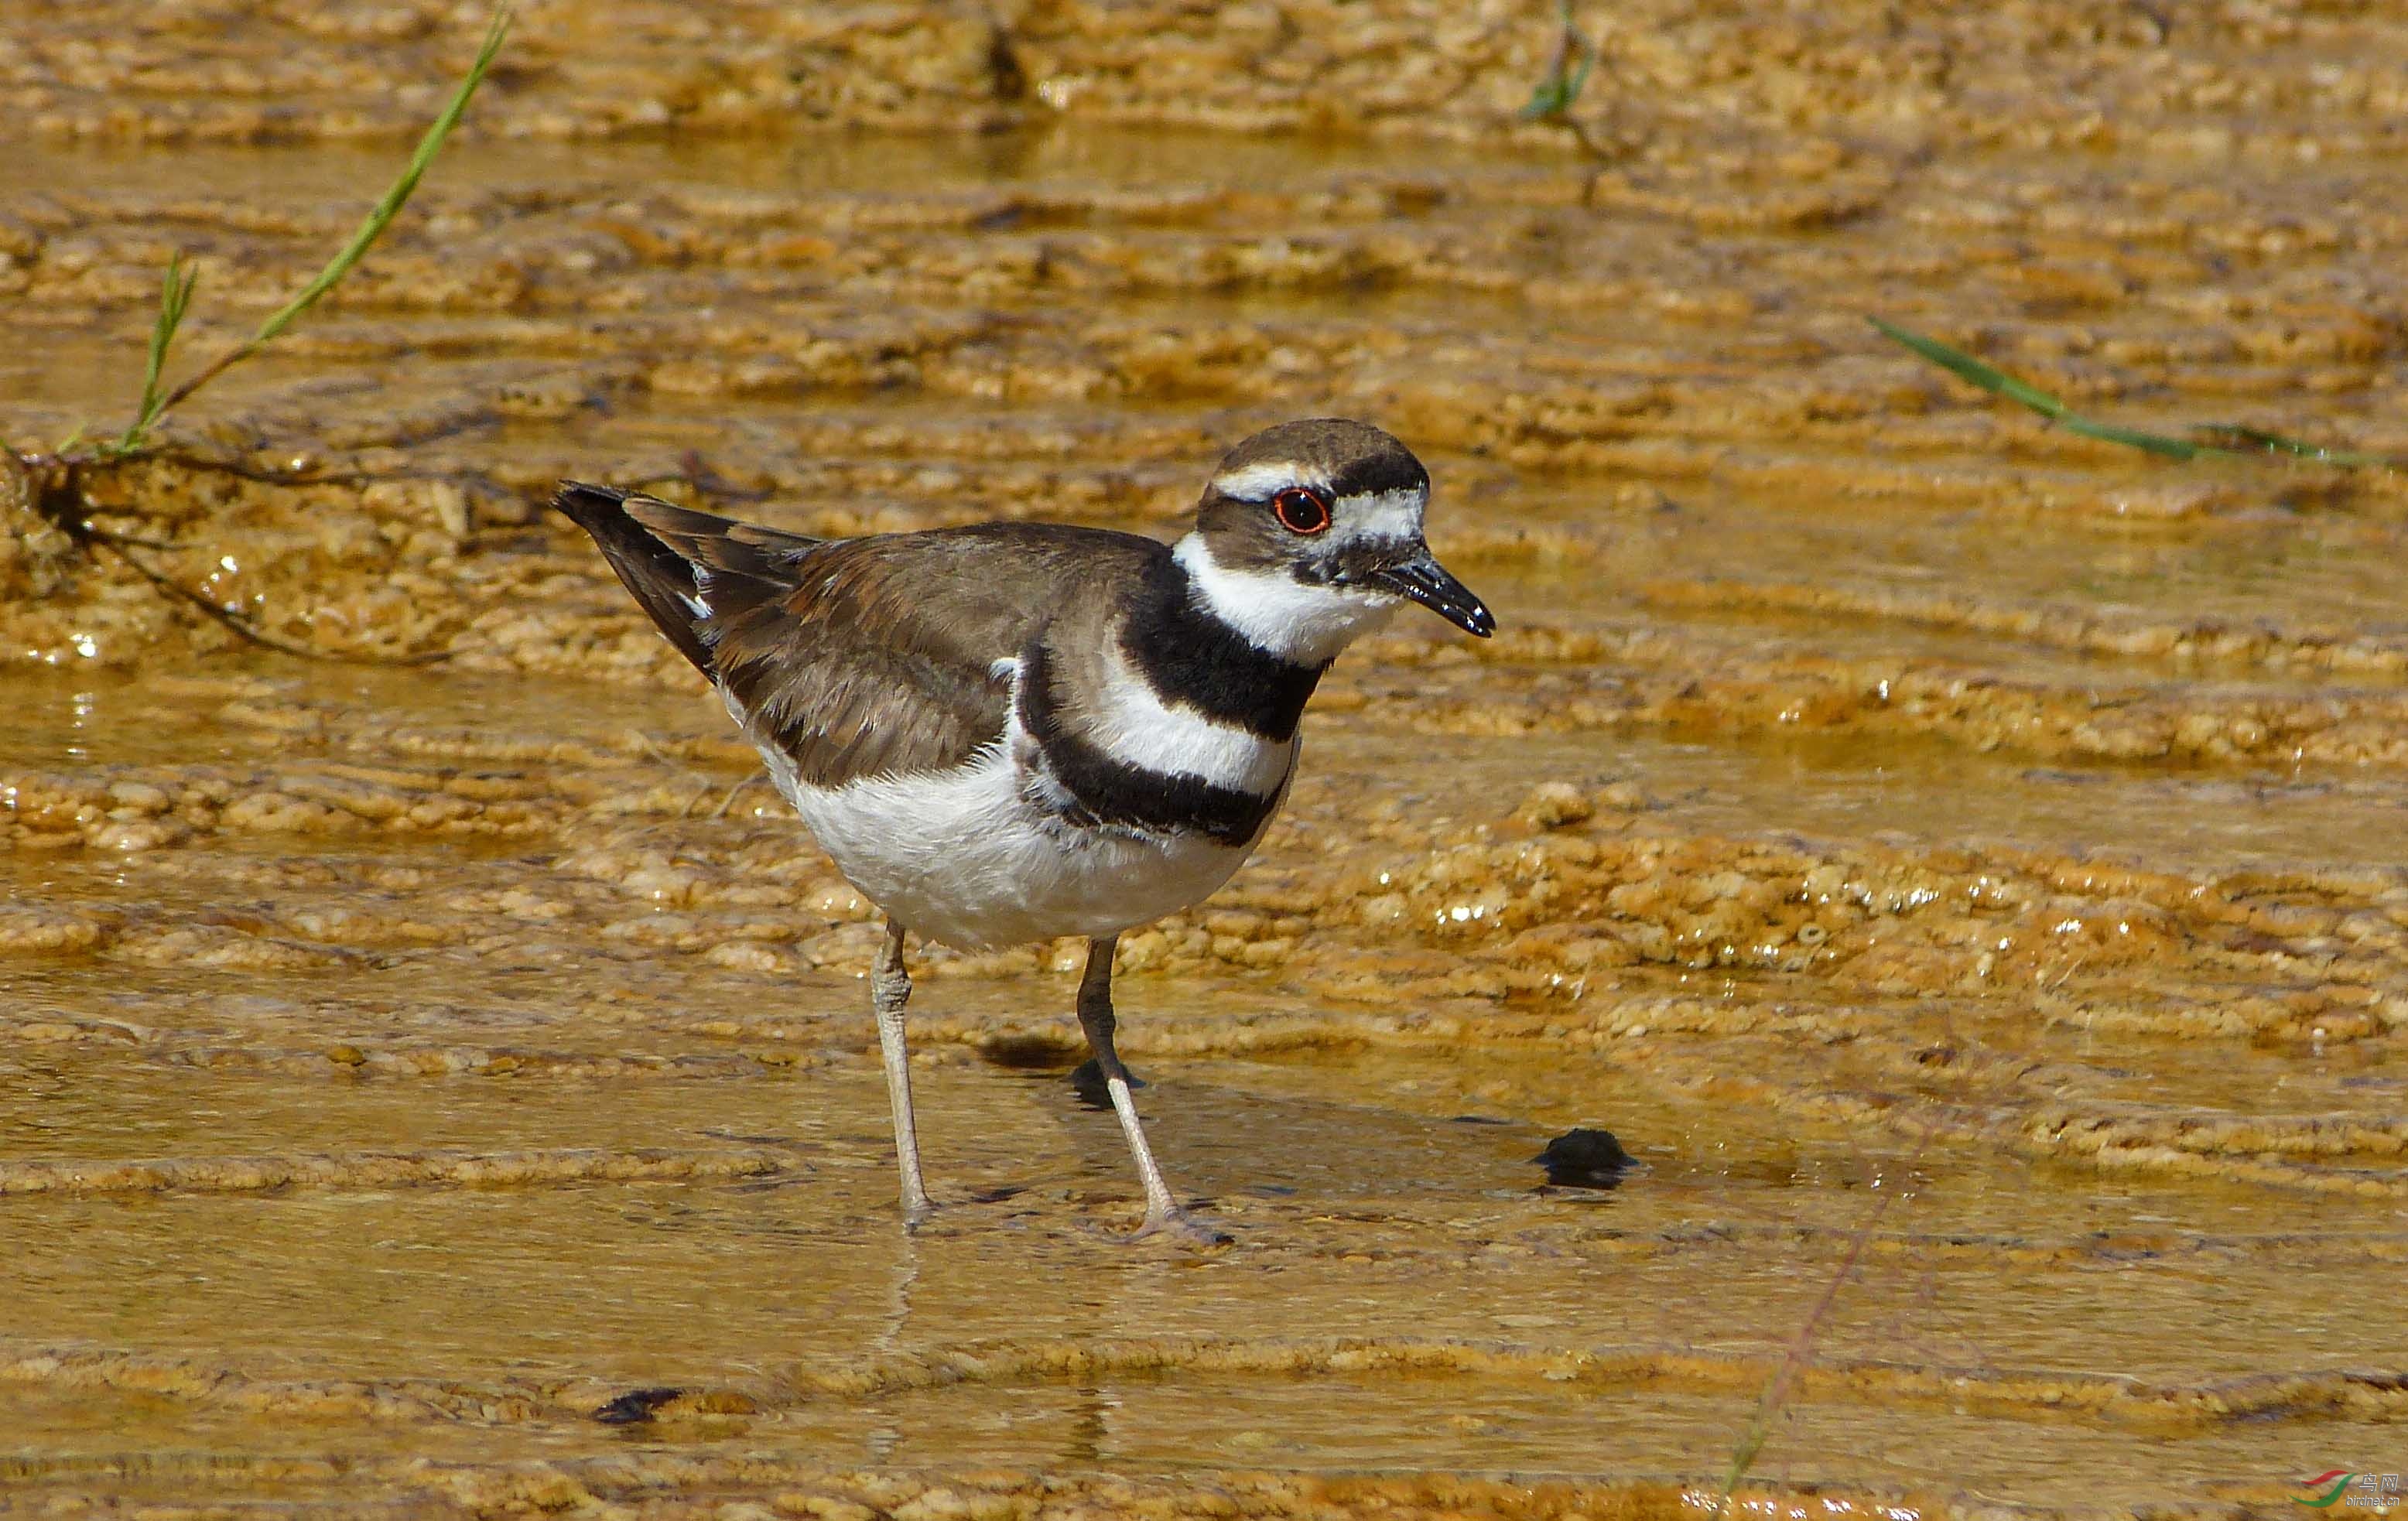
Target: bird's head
[1310,534]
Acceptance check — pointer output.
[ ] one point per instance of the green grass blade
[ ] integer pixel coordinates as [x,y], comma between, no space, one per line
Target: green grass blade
[1555,94]
[1965,366]
[2155,443]
[379,217]
[382,215]
[175,298]
[2226,439]
[1579,82]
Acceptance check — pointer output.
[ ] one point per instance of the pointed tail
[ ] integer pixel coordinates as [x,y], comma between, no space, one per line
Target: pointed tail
[663,580]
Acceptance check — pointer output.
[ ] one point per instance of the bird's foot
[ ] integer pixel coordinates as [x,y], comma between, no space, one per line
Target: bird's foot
[1183,1226]
[927,1216]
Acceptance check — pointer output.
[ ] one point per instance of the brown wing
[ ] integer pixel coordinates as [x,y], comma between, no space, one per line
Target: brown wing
[861,656]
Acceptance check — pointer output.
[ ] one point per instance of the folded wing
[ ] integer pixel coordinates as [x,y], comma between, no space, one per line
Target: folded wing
[889,654]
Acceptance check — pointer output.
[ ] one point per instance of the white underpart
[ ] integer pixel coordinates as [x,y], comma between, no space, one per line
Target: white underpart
[1132,724]
[1278,614]
[974,857]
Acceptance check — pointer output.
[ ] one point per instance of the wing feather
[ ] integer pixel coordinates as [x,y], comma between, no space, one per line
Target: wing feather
[883,655]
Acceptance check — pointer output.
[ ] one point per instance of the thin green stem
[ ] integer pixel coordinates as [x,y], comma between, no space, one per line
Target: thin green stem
[1557,92]
[2230,440]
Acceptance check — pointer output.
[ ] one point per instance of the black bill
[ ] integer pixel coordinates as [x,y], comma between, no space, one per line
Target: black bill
[1423,580]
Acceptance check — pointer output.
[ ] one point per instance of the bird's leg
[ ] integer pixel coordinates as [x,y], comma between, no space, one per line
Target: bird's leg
[890,989]
[1162,1212]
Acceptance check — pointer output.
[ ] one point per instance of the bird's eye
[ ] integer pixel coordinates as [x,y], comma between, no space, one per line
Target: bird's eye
[1302,509]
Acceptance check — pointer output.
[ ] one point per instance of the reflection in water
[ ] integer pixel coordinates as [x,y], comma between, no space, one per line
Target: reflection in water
[1090,1435]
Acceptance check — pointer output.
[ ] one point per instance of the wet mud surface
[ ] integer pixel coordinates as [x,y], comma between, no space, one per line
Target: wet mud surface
[1955,859]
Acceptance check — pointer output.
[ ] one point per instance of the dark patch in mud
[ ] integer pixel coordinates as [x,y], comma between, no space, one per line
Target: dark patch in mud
[637,1406]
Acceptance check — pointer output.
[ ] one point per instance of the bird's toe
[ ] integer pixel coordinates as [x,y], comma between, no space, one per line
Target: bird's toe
[1183,1226]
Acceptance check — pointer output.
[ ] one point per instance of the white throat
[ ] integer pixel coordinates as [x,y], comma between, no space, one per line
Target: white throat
[1278,614]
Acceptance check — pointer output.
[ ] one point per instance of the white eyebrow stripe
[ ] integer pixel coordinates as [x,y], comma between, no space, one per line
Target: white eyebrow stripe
[1260,482]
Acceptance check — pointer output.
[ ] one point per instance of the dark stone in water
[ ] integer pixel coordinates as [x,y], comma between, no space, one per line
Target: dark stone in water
[636,1405]
[1087,1081]
[1585,1158]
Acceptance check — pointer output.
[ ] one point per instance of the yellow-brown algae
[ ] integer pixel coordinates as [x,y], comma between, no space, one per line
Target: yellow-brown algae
[1954,855]
[247,1174]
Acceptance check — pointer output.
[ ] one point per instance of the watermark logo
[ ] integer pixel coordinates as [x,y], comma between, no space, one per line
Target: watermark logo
[2337,1487]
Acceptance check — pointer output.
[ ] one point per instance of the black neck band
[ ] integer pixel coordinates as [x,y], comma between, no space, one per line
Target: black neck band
[1193,657]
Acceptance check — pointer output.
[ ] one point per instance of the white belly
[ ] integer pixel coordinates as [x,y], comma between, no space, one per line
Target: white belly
[968,859]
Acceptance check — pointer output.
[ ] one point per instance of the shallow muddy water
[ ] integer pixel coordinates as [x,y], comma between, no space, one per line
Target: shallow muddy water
[1961,862]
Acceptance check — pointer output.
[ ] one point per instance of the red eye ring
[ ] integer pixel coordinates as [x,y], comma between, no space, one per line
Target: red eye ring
[1302,509]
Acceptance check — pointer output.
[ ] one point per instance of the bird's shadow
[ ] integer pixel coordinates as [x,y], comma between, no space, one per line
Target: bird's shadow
[1215,1138]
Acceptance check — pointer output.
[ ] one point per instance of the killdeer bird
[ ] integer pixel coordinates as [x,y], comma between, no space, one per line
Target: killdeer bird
[1013,731]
